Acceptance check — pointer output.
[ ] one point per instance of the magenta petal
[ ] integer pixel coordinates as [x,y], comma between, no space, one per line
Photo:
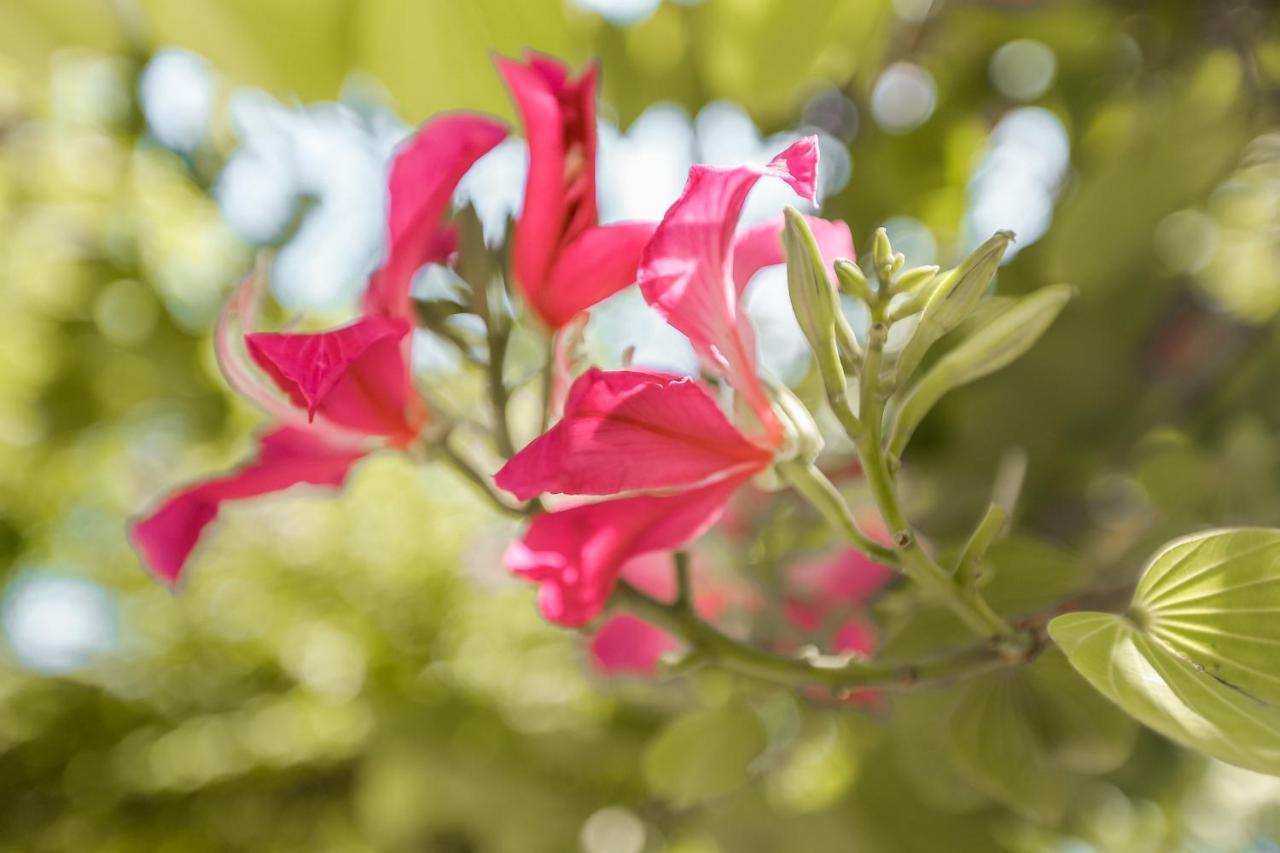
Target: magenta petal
[423,177]
[761,246]
[626,644]
[558,114]
[576,554]
[599,263]
[847,578]
[354,376]
[631,430]
[687,270]
[286,457]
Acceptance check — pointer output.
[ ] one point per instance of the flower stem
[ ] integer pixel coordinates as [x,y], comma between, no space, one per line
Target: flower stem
[967,603]
[835,673]
[826,499]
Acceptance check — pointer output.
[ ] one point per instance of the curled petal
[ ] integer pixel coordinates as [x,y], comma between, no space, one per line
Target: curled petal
[596,265]
[630,430]
[355,376]
[576,554]
[559,118]
[687,270]
[286,457]
[423,177]
[239,315]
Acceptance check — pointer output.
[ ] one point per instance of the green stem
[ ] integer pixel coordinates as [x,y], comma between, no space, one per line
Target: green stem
[482,483]
[684,581]
[498,393]
[967,603]
[827,500]
[833,673]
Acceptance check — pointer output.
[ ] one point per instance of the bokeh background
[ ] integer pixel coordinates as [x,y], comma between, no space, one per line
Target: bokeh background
[356,673]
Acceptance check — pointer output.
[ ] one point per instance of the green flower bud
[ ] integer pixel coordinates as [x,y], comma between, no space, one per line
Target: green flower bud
[915,279]
[814,300]
[852,281]
[953,300]
[882,255]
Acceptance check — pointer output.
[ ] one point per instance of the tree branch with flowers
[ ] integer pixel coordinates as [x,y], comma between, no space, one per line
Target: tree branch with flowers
[634,466]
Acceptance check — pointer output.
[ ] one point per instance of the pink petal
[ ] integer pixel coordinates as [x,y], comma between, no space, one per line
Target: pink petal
[576,554]
[630,430]
[559,118]
[761,246]
[847,578]
[423,177]
[286,457]
[686,272]
[627,644]
[599,263]
[856,636]
[355,376]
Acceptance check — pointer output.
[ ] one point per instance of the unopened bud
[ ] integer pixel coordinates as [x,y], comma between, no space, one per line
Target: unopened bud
[914,279]
[882,255]
[953,300]
[813,299]
[852,281]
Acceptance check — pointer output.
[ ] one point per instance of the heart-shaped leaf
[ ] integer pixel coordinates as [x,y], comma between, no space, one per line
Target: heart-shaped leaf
[1196,656]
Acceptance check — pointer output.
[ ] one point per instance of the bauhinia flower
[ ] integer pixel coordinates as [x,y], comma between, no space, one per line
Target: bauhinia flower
[565,261]
[346,391]
[662,442]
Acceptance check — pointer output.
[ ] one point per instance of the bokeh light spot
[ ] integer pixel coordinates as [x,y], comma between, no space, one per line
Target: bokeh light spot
[1023,69]
[904,97]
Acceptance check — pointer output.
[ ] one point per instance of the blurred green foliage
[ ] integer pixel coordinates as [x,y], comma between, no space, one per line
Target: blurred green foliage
[358,674]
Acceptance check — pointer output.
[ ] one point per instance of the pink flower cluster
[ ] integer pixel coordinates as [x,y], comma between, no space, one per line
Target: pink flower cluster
[656,455]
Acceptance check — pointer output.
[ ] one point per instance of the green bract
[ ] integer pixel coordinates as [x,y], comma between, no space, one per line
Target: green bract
[1196,658]
[995,344]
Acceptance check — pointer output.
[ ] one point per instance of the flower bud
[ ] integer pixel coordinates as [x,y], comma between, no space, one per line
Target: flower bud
[813,299]
[953,300]
[882,255]
[852,281]
[914,279]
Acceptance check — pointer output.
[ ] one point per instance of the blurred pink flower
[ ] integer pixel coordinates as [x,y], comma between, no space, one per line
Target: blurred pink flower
[345,391]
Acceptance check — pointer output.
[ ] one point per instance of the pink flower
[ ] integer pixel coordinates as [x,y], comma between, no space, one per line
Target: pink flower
[695,268]
[576,554]
[423,176]
[565,261]
[627,432]
[631,430]
[341,393]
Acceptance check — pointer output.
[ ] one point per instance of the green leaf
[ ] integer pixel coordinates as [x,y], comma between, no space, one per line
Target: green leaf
[1215,600]
[1195,658]
[1168,694]
[952,301]
[1084,731]
[995,743]
[703,754]
[995,344]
